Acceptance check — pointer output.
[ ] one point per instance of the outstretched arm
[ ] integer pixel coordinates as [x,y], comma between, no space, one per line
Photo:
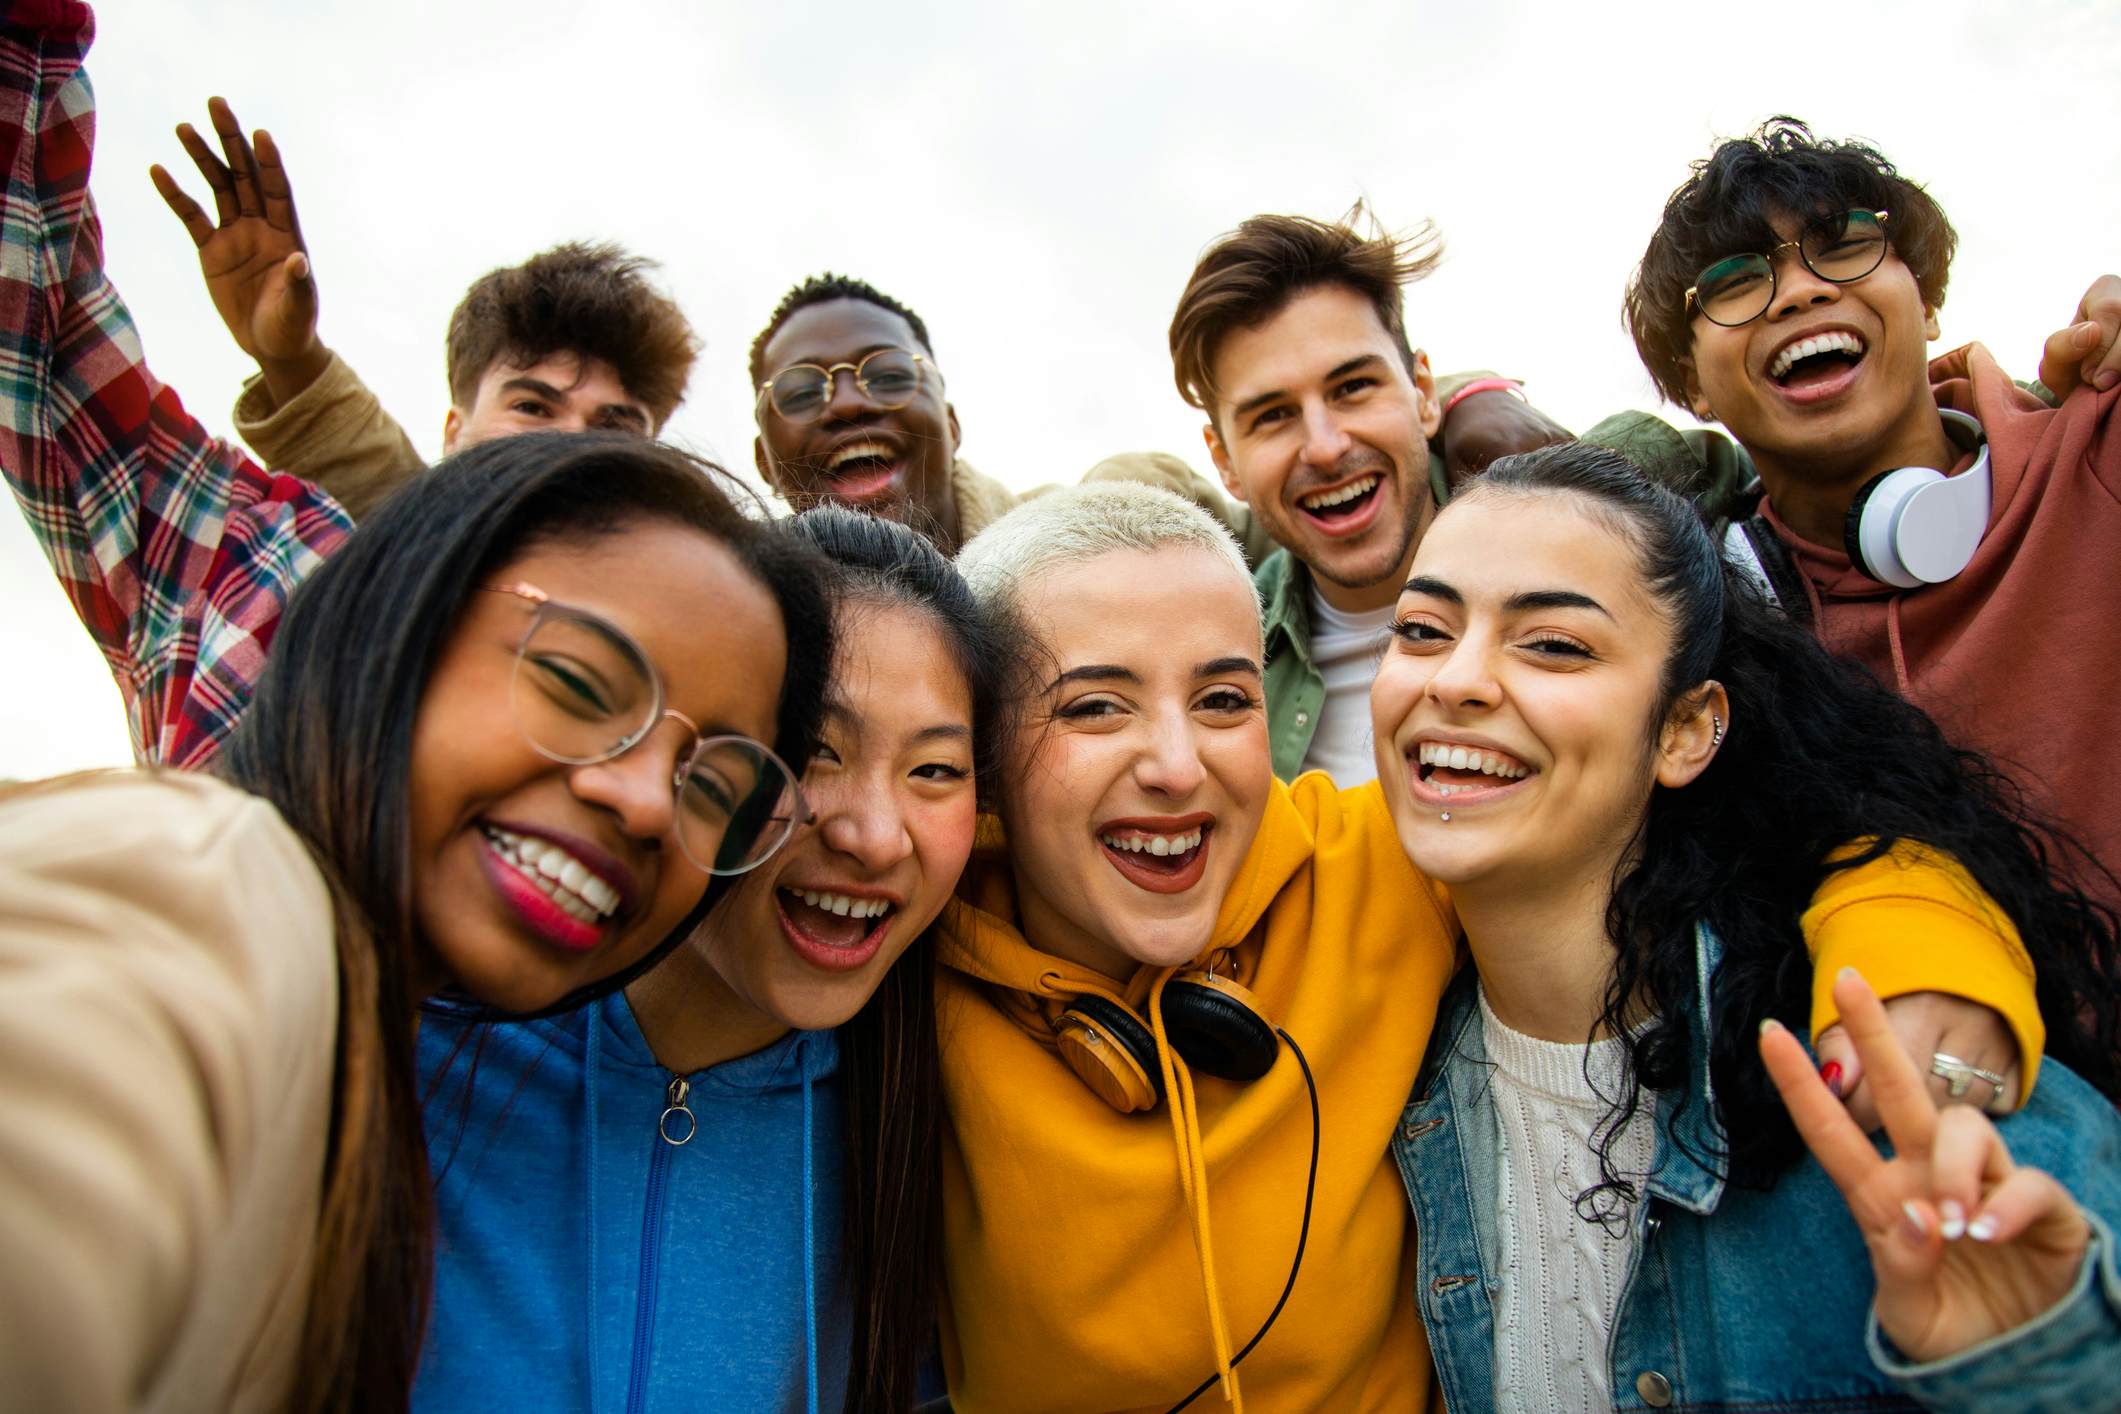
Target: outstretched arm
[177,552]
[305,411]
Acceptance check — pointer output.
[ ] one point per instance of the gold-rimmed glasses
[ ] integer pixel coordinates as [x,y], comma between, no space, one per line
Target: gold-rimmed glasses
[1738,289]
[889,378]
[584,691]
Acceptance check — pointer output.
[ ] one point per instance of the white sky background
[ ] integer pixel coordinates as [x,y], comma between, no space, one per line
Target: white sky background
[1037,182]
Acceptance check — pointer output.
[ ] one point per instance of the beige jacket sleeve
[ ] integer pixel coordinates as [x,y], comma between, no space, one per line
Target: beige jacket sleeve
[168,1008]
[334,433]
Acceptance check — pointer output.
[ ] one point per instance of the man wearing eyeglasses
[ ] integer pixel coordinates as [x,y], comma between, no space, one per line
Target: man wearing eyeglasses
[852,410]
[1952,531]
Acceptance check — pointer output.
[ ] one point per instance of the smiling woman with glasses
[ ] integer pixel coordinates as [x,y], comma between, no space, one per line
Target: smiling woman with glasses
[522,798]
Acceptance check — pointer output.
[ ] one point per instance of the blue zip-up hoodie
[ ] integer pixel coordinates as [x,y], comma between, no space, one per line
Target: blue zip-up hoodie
[586,1259]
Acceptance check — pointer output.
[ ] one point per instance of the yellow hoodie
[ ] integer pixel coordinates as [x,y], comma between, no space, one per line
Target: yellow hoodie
[1074,1276]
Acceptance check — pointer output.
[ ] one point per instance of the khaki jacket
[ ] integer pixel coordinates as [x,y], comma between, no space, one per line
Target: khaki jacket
[168,1014]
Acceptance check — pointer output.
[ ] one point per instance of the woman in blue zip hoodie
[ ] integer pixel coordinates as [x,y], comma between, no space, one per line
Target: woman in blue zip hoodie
[1629,773]
[718,1190]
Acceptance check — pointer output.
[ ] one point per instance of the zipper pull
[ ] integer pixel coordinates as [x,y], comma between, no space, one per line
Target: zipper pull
[677,1115]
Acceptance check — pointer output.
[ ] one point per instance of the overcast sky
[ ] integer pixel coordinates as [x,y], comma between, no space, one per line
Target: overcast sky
[1037,182]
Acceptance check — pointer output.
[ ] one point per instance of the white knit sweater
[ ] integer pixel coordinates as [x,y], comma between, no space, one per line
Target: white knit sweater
[1561,1275]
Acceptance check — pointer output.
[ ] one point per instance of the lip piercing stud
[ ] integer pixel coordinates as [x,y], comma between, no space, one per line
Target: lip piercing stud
[1446,815]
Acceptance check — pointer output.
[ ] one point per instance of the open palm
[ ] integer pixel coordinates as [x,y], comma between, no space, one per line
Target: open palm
[251,252]
[1965,1245]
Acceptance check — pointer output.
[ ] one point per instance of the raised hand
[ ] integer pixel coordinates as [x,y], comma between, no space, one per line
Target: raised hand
[2086,351]
[251,253]
[1928,1023]
[1964,1245]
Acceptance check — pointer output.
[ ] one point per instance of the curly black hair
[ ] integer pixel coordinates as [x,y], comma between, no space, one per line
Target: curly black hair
[1729,205]
[1819,755]
[820,289]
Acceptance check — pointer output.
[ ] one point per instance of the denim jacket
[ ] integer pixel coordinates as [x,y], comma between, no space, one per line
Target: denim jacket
[1738,1299]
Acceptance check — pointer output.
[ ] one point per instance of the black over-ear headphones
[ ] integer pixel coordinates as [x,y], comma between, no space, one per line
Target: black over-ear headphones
[1915,525]
[1216,1026]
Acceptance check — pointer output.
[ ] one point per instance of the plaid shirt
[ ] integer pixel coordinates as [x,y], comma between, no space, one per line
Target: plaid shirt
[177,551]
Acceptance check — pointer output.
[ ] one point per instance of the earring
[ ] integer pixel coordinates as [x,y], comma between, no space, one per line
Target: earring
[1716,740]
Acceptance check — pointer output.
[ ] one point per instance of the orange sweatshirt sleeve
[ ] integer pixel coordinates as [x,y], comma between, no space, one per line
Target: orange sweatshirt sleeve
[1913,920]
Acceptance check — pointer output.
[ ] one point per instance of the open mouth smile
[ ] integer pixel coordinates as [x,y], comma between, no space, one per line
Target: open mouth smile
[1345,508]
[559,896]
[1454,775]
[1164,856]
[1817,366]
[861,469]
[835,931]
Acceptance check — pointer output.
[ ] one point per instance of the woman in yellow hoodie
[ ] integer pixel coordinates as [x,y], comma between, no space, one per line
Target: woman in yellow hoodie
[1148,844]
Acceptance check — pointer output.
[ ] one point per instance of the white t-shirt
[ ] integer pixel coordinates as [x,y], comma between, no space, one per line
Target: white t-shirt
[1344,649]
[1561,1275]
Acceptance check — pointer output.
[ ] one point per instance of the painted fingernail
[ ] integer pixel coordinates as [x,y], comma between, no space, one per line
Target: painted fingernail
[1916,1229]
[1951,1220]
[1830,1076]
[1982,1229]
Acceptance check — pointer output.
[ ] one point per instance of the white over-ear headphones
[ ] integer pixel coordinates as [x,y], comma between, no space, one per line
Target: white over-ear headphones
[1914,525]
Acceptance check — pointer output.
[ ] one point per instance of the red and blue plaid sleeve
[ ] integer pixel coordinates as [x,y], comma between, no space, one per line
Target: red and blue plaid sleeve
[177,551]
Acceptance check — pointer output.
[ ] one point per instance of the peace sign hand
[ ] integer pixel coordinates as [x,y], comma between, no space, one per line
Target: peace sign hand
[1965,1245]
[251,253]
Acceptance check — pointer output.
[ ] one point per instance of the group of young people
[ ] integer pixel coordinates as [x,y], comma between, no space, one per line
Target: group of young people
[1455,915]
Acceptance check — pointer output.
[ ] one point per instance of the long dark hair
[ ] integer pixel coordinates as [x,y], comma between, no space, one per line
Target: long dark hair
[1819,754]
[890,1077]
[328,740]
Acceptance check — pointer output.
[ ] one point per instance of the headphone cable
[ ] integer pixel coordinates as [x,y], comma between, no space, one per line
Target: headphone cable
[1303,1234]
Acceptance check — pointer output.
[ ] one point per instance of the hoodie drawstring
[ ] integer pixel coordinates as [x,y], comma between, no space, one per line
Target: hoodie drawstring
[1193,1177]
[591,1053]
[809,1254]
[1892,637]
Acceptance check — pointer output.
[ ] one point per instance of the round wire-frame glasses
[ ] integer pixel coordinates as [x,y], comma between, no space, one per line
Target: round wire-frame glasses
[889,378]
[1737,289]
[583,691]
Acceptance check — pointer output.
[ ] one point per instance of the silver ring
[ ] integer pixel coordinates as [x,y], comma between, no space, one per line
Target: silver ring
[1960,1075]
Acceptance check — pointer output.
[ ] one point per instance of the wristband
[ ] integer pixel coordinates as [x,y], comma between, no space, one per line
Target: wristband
[1484,385]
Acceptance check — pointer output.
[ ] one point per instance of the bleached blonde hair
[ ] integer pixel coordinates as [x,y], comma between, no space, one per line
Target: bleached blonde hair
[1074,523]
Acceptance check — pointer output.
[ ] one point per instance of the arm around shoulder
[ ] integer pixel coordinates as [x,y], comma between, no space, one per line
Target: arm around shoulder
[1913,920]
[335,433]
[166,1051]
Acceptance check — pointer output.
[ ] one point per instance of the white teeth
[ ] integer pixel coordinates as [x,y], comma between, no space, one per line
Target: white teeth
[1470,758]
[1349,492]
[856,450]
[1833,341]
[1159,845]
[565,879]
[844,905]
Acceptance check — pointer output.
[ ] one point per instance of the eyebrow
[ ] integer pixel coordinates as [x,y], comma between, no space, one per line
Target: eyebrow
[1516,603]
[554,395]
[1095,672]
[827,360]
[1113,672]
[1339,370]
[941,731]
